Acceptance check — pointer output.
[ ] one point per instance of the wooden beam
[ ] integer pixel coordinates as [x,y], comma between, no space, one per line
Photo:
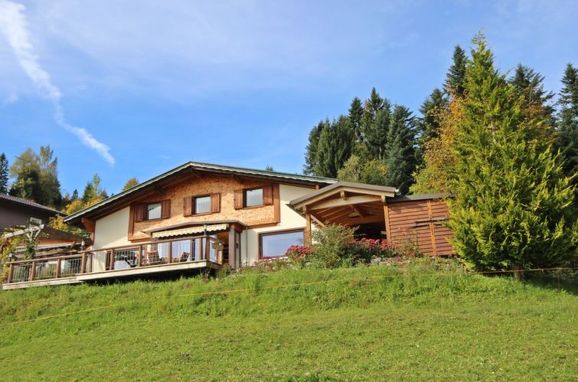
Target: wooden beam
[349,201]
[307,234]
[362,220]
[388,232]
[319,222]
[232,247]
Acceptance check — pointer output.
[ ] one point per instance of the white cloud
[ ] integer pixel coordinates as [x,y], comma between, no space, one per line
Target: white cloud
[14,26]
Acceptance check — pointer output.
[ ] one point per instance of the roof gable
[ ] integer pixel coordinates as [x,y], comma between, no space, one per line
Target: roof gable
[198,167]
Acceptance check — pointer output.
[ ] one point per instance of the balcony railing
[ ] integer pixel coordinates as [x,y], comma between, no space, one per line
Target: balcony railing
[158,253]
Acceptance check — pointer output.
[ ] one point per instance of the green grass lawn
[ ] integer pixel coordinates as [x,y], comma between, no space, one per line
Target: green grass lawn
[371,323]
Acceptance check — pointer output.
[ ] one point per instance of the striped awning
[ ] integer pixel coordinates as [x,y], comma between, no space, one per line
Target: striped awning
[190,230]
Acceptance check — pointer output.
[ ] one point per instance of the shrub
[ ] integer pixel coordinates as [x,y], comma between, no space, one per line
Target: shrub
[331,248]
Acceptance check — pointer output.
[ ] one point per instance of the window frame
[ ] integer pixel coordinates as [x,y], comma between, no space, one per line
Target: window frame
[262,188]
[274,233]
[160,203]
[194,204]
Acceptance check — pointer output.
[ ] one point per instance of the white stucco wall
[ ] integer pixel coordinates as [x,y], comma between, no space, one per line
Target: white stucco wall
[289,220]
[110,231]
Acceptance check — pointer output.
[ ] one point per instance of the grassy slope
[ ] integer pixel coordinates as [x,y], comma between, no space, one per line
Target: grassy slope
[348,324]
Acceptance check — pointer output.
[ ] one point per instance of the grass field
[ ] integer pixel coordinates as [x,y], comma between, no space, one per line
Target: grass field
[370,323]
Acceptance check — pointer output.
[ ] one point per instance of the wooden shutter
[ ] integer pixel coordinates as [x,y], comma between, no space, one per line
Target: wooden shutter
[268,195]
[215,203]
[188,206]
[166,209]
[140,212]
[238,199]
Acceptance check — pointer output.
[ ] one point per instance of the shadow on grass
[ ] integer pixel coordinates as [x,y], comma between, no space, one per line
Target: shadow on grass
[559,280]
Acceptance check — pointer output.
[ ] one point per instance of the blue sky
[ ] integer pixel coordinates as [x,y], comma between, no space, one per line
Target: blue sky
[134,88]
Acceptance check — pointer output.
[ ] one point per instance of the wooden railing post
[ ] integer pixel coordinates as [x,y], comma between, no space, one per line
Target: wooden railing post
[58,264]
[83,263]
[111,262]
[170,245]
[139,256]
[32,271]
[10,272]
[207,248]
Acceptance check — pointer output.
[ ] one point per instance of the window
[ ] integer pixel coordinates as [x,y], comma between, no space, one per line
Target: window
[253,197]
[275,244]
[153,211]
[202,204]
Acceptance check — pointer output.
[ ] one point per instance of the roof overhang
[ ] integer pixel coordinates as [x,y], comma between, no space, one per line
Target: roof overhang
[190,168]
[345,203]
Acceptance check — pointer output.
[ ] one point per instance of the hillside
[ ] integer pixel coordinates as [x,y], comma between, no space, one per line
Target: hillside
[365,323]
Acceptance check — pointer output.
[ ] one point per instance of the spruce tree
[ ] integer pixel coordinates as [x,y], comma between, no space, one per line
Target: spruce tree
[334,147]
[311,149]
[355,118]
[454,85]
[429,122]
[3,174]
[510,209]
[529,85]
[400,157]
[568,125]
[375,125]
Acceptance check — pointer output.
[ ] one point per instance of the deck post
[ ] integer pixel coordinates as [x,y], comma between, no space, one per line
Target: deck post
[170,244]
[32,271]
[10,272]
[58,264]
[139,256]
[207,248]
[83,263]
[307,232]
[111,260]
[232,248]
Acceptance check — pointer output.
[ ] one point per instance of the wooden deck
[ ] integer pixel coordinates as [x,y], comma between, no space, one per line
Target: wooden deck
[177,256]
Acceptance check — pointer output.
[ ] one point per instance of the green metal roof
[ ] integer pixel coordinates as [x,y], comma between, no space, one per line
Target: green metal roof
[205,167]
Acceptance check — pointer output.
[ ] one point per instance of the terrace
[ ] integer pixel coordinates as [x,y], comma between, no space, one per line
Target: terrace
[178,255]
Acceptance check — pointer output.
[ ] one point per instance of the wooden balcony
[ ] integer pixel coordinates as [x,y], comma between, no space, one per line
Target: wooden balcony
[158,257]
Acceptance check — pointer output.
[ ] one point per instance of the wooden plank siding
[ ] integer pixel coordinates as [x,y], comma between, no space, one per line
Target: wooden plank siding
[421,222]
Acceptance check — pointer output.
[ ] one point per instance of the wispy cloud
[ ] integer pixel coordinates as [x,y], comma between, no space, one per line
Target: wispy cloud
[13,25]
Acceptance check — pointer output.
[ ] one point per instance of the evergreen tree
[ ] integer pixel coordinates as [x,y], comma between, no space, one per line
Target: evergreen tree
[537,102]
[334,147]
[375,125]
[568,125]
[429,123]
[510,209]
[355,118]
[400,157]
[93,192]
[3,174]
[454,85]
[311,150]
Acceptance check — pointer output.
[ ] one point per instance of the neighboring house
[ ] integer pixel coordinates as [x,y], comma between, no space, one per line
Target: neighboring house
[204,216]
[16,211]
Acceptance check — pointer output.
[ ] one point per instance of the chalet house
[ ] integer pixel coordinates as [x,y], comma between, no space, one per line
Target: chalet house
[16,211]
[206,216]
